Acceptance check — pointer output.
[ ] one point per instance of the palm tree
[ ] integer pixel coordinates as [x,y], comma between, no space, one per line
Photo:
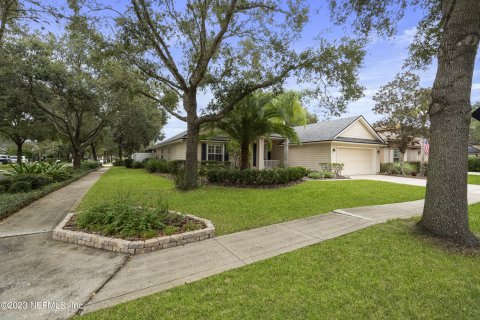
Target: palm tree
[251,120]
[292,113]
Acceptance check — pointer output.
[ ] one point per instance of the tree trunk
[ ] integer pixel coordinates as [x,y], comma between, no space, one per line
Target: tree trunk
[244,156]
[446,208]
[94,151]
[402,157]
[77,157]
[120,152]
[285,153]
[193,130]
[19,151]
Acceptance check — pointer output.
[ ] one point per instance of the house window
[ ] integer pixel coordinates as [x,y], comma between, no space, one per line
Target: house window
[396,155]
[215,152]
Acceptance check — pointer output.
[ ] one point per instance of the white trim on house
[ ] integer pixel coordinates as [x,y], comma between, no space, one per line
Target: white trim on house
[367,126]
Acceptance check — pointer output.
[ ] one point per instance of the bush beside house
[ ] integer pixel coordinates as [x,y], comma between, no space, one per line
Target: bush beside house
[256,177]
[474,164]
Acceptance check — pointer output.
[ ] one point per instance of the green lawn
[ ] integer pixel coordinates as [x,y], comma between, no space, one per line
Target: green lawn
[473,179]
[4,167]
[235,209]
[382,272]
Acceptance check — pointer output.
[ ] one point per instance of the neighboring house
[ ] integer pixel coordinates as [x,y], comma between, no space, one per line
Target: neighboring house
[473,151]
[391,153]
[351,141]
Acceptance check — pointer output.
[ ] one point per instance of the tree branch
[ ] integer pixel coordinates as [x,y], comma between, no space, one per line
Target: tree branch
[173,113]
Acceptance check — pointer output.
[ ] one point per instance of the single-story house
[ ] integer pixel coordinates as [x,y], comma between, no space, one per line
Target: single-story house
[473,151]
[391,153]
[351,141]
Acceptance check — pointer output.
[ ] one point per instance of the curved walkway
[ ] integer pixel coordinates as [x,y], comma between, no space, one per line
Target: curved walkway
[40,269]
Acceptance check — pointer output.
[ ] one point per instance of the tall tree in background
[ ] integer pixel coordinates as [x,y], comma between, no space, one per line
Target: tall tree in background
[404,107]
[231,48]
[450,31]
[137,124]
[75,85]
[292,113]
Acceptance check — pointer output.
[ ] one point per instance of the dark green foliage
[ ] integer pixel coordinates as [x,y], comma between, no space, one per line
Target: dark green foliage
[473,164]
[204,166]
[395,168]
[36,180]
[128,163]
[320,175]
[2,189]
[6,182]
[137,165]
[157,165]
[90,165]
[118,163]
[255,177]
[20,186]
[61,176]
[123,219]
[175,165]
[10,203]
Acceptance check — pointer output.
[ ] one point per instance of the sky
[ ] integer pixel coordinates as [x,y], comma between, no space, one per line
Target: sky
[384,59]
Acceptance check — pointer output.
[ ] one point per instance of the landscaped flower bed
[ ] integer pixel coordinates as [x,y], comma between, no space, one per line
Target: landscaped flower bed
[121,227]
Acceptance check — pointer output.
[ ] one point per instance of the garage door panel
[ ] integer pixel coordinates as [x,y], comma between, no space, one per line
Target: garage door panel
[357,161]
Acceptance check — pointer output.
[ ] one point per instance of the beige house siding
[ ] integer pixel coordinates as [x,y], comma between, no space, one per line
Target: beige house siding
[176,151]
[357,130]
[309,155]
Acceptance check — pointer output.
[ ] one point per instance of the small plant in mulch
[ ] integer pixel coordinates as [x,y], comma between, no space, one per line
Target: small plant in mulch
[123,219]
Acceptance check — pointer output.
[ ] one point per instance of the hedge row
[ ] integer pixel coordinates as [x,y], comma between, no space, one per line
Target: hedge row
[256,177]
[165,166]
[408,168]
[473,164]
[10,203]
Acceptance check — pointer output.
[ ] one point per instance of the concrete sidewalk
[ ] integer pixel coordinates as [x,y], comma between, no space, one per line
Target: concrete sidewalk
[36,269]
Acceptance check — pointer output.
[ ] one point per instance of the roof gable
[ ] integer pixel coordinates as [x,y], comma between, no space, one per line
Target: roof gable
[359,129]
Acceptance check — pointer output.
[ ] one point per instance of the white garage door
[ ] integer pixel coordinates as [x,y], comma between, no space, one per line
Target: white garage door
[357,161]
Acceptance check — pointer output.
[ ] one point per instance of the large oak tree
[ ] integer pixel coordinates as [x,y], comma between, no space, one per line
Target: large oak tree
[449,31]
[230,49]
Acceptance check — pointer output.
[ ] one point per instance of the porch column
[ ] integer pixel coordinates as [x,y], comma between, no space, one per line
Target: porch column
[261,153]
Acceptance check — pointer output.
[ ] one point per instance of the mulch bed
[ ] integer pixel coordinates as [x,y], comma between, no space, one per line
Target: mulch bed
[71,225]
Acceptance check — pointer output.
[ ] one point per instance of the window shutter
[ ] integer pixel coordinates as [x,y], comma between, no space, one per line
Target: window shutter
[204,152]
[225,157]
[254,154]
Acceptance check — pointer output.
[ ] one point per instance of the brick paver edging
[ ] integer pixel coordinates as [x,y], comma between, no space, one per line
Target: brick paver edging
[132,247]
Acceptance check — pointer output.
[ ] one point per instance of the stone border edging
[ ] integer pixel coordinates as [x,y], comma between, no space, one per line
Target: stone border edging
[132,247]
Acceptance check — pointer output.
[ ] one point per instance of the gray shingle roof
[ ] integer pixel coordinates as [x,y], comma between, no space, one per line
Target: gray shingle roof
[320,131]
[472,149]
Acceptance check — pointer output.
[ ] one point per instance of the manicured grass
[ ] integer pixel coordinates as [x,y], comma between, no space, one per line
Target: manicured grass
[4,167]
[473,179]
[236,209]
[382,272]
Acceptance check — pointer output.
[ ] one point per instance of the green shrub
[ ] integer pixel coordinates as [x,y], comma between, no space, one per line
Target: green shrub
[255,177]
[204,166]
[156,165]
[137,165]
[316,175]
[473,164]
[332,167]
[2,189]
[169,230]
[191,226]
[60,176]
[396,168]
[20,186]
[128,163]
[36,168]
[175,165]
[122,218]
[6,182]
[118,163]
[90,165]
[36,180]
